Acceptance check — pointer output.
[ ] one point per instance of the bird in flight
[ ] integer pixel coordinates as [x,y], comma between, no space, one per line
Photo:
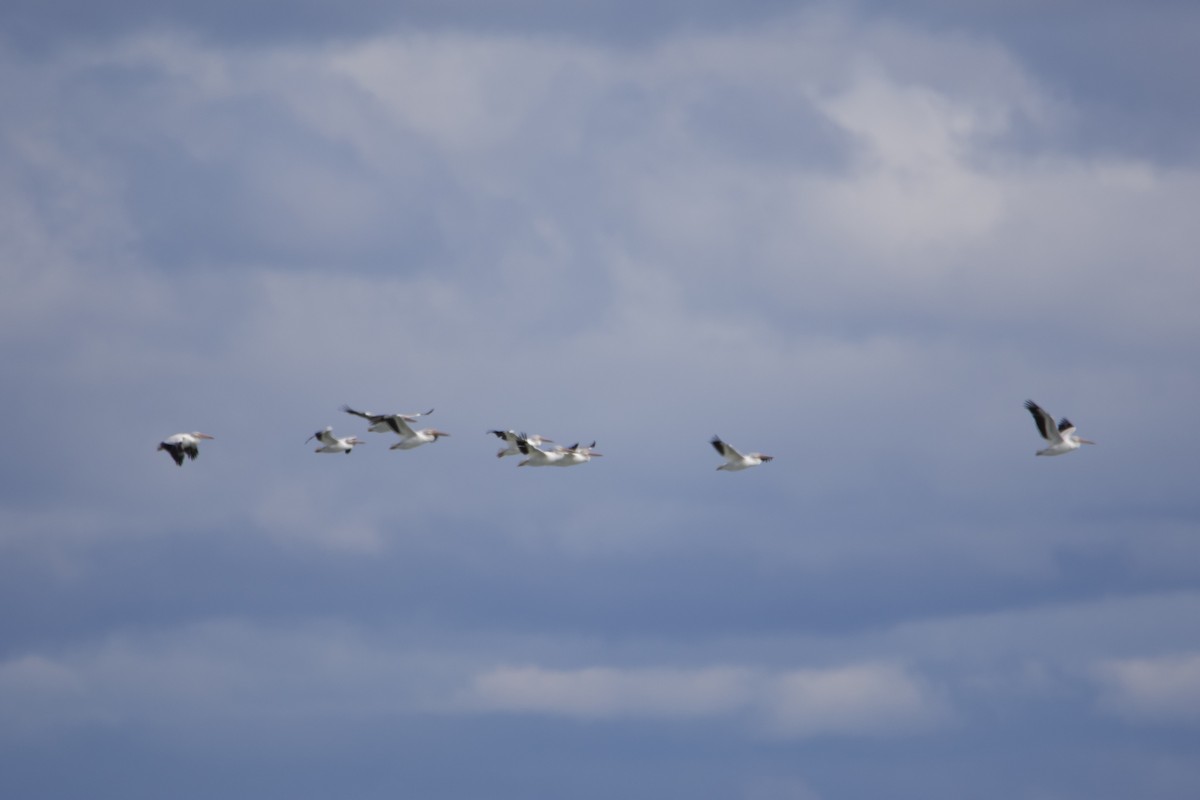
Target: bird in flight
[734,460]
[510,438]
[401,425]
[381,423]
[1059,438]
[183,445]
[334,444]
[554,457]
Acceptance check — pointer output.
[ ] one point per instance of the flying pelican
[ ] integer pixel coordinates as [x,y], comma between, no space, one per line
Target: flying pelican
[578,455]
[1061,438]
[511,438]
[381,423]
[537,457]
[410,438]
[554,457]
[332,443]
[735,460]
[183,444]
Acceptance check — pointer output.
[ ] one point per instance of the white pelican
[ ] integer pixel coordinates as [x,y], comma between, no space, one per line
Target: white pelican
[734,459]
[183,444]
[578,455]
[410,438]
[537,457]
[1061,438]
[381,423]
[333,444]
[511,438]
[554,457]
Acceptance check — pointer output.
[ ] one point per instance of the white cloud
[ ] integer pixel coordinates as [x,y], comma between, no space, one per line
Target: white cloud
[1161,689]
[466,93]
[641,264]
[857,699]
[602,692]
[849,243]
[217,672]
[926,192]
[227,670]
[914,185]
[852,700]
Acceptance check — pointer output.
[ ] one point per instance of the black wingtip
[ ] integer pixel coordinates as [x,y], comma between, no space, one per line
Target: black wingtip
[1042,419]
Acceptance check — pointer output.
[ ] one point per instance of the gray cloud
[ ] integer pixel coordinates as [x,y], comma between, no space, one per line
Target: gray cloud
[854,241]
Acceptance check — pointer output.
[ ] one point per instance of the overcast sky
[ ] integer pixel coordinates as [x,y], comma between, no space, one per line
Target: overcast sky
[853,236]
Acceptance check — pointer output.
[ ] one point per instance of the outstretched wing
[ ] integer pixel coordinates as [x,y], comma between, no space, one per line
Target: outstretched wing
[324,437]
[725,450]
[399,425]
[364,414]
[1045,422]
[174,450]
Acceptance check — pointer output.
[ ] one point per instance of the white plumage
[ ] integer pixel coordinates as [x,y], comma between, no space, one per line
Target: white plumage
[1059,438]
[382,423]
[181,445]
[400,424]
[734,460]
[554,457]
[510,437]
[334,444]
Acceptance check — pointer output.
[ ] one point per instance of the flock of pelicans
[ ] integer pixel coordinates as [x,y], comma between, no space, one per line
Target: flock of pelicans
[542,452]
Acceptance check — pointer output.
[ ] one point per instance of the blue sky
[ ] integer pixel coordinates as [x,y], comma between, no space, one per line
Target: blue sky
[853,236]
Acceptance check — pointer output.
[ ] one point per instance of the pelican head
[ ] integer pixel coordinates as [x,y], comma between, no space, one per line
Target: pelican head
[1086,441]
[199,435]
[436,433]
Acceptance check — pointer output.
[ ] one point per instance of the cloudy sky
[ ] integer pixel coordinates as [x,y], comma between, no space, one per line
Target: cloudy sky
[851,235]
